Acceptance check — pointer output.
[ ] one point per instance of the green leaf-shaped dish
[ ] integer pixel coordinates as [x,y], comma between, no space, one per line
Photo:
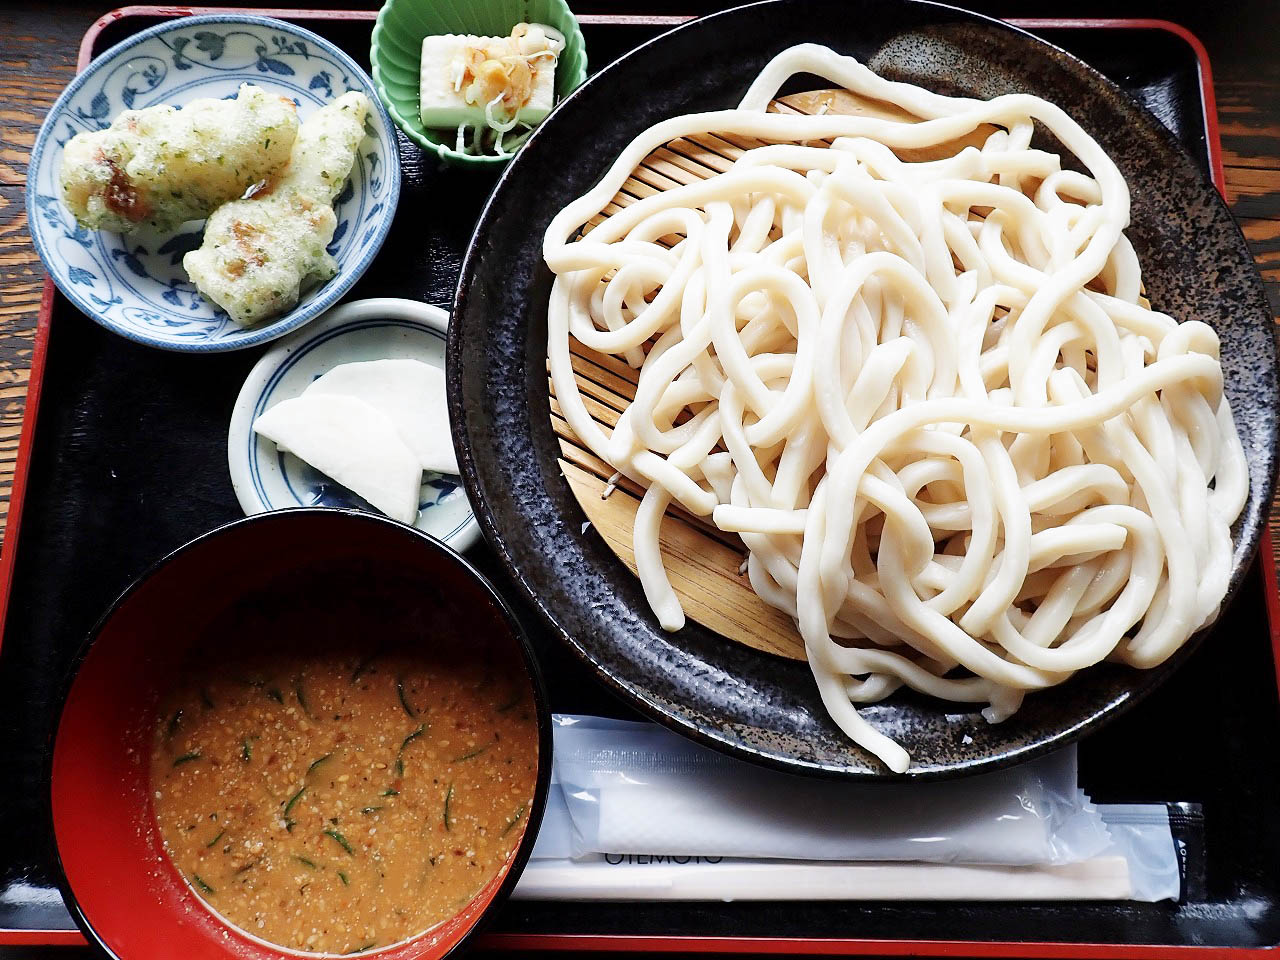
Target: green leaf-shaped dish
[397,51]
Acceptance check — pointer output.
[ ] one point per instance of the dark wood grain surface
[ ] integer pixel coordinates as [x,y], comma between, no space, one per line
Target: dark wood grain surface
[39,42]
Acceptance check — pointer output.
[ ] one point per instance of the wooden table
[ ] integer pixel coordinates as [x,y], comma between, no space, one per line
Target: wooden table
[39,42]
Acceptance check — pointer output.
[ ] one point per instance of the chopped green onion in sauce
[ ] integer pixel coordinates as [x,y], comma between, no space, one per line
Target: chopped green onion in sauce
[404,699]
[309,788]
[341,841]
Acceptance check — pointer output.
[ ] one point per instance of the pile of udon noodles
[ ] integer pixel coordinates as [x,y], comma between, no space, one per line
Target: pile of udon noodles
[963,453]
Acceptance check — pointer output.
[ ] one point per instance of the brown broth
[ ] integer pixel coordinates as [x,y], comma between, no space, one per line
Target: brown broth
[339,800]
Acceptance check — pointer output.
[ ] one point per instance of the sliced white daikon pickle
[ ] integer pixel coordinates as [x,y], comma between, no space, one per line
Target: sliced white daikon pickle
[354,443]
[411,393]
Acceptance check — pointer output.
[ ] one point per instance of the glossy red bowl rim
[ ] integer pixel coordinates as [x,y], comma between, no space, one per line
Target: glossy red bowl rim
[444,553]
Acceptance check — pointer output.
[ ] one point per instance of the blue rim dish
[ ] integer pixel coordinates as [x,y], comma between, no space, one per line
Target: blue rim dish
[46,213]
[266,479]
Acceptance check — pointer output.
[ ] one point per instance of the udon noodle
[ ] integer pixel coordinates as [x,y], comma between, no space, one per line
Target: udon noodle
[963,453]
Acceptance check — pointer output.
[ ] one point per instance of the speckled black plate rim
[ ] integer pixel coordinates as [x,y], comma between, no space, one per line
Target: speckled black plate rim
[706,729]
[541,703]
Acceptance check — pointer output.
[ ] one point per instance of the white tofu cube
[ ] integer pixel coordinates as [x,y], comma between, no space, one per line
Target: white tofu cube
[443,106]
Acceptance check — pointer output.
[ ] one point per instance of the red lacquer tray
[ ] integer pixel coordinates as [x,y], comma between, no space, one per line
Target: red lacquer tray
[154,423]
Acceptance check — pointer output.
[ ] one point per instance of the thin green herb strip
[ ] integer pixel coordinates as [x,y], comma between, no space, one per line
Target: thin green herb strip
[448,799]
[215,839]
[404,700]
[341,841]
[368,946]
[468,756]
[310,865]
[289,822]
[294,799]
[195,878]
[343,877]
[302,700]
[364,665]
[187,758]
[316,762]
[422,728]
[390,793]
[246,750]
[370,809]
[515,818]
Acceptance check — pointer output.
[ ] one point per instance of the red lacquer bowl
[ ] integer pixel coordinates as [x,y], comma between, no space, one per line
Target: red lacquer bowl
[120,886]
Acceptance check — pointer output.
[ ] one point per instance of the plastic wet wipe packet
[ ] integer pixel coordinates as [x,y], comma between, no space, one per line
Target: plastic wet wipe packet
[639,788]
[637,812]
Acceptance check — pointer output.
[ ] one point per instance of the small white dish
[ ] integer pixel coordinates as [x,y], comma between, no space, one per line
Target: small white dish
[134,284]
[381,328]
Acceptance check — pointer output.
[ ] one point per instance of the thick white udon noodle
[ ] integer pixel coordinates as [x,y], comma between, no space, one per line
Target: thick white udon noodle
[938,443]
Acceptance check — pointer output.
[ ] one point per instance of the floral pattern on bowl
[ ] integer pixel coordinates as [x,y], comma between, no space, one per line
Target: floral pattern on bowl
[134,284]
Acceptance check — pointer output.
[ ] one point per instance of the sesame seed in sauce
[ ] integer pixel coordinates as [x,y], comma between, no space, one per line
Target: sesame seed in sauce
[303,875]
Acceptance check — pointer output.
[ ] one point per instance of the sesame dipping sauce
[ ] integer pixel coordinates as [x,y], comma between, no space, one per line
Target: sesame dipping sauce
[334,794]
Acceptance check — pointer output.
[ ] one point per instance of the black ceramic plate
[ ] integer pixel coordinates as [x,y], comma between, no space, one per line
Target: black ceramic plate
[761,707]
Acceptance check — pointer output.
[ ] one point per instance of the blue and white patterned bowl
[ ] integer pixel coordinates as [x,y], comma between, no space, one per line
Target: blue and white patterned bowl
[378,329]
[134,284]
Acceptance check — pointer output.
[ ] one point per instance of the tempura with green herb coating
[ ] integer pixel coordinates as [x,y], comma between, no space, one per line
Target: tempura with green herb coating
[163,165]
[259,253]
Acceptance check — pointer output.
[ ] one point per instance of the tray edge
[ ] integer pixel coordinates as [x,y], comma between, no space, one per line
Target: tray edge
[1048,950]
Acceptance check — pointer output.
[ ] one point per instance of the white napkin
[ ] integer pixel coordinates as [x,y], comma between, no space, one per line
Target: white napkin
[639,788]
[627,877]
[637,813]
